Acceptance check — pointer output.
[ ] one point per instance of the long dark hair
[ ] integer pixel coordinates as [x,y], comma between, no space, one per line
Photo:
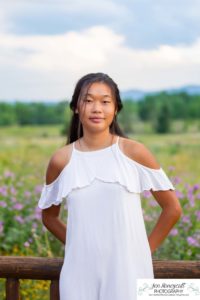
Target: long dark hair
[75,128]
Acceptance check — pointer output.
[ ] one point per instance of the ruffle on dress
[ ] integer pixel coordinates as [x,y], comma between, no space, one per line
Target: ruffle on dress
[112,165]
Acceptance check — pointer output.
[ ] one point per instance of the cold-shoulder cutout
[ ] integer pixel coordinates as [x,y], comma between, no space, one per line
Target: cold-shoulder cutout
[52,191]
[57,164]
[138,153]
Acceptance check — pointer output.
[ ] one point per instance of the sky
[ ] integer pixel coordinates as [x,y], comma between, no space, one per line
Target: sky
[46,45]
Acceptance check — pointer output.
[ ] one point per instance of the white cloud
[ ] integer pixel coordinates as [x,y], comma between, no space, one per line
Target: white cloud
[46,67]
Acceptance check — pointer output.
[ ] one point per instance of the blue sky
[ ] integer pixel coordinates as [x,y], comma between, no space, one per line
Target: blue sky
[46,46]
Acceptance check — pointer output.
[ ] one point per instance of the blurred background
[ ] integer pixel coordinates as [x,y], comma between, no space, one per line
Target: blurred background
[151,49]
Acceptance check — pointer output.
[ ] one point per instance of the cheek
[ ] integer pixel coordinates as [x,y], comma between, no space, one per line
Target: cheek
[110,111]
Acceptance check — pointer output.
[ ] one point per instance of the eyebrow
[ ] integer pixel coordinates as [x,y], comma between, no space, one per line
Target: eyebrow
[89,94]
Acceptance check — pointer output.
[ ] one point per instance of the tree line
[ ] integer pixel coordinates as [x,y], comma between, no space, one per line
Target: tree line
[159,110]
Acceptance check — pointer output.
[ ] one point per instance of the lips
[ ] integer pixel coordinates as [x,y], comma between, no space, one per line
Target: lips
[96,119]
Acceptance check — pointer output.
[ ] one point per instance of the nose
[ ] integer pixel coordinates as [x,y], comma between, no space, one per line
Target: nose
[96,107]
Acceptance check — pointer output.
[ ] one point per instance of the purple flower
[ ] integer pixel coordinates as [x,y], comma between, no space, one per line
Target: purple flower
[191,197]
[1,227]
[197,213]
[18,206]
[3,204]
[8,174]
[38,189]
[146,194]
[176,180]
[19,219]
[173,232]
[196,187]
[26,244]
[192,241]
[3,191]
[147,218]
[153,203]
[13,190]
[27,193]
[179,194]
[34,225]
[186,219]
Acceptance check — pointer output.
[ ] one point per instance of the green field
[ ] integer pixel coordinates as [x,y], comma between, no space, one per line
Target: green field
[24,155]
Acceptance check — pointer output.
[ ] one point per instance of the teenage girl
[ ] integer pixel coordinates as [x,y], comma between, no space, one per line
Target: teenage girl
[101,174]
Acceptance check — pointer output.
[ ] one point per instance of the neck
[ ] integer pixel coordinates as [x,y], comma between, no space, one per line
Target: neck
[96,140]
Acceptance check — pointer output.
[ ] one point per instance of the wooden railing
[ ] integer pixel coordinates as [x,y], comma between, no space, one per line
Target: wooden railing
[14,268]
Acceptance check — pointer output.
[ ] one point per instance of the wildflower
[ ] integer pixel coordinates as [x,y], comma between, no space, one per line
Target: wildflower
[173,232]
[192,241]
[146,194]
[26,244]
[1,227]
[147,218]
[8,174]
[27,193]
[176,180]
[3,191]
[153,203]
[197,213]
[186,219]
[3,204]
[18,206]
[34,226]
[179,194]
[38,189]
[19,219]
[195,187]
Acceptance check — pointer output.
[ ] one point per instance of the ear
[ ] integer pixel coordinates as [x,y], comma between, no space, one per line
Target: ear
[76,111]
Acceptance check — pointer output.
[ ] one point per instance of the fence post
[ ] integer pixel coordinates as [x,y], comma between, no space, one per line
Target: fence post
[12,289]
[54,290]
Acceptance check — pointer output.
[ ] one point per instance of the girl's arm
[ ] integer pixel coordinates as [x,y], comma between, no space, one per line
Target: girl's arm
[50,216]
[171,212]
[171,208]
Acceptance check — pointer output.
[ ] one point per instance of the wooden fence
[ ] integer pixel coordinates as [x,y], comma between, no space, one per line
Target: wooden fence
[14,268]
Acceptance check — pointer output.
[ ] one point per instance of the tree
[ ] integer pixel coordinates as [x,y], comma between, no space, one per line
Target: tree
[162,122]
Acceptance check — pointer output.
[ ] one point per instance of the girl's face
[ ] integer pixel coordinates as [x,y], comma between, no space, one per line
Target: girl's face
[96,107]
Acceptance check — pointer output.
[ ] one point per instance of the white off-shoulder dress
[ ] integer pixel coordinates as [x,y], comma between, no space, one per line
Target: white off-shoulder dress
[107,247]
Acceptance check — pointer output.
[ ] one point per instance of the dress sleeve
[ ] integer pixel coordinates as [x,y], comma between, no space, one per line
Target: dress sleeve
[153,179]
[51,195]
[58,190]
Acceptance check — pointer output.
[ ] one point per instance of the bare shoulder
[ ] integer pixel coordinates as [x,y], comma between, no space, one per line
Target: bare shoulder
[138,152]
[57,162]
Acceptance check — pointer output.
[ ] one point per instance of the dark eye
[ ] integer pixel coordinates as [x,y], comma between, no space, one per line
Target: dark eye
[105,101]
[87,100]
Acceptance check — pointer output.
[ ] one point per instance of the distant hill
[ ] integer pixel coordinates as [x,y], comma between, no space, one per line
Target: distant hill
[132,94]
[137,95]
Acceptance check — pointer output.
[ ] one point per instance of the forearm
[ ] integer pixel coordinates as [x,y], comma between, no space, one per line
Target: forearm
[163,226]
[57,228]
